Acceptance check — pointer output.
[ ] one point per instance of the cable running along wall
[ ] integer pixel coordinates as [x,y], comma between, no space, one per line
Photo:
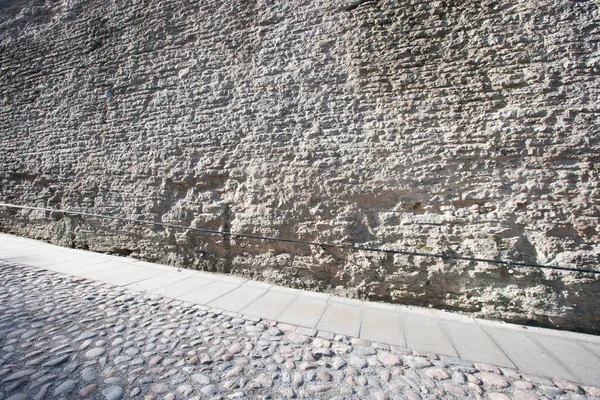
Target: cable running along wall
[303,242]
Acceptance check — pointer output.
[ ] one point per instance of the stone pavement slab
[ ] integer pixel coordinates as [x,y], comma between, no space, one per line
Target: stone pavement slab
[208,293]
[154,283]
[344,319]
[535,351]
[71,267]
[593,347]
[45,259]
[130,277]
[257,284]
[181,287]
[473,344]
[426,334]
[8,252]
[109,270]
[304,311]
[527,354]
[270,305]
[238,298]
[577,359]
[382,326]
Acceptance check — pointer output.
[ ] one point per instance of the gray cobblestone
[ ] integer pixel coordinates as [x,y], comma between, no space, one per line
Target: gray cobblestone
[156,348]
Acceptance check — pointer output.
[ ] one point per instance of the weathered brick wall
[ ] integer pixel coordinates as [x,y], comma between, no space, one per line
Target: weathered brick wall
[464,126]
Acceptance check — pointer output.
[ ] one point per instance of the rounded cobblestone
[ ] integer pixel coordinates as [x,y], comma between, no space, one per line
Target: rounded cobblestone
[87,339]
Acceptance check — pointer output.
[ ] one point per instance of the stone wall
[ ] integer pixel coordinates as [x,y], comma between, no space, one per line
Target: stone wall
[466,127]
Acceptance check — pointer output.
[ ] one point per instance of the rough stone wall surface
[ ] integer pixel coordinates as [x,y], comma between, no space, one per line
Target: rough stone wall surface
[441,126]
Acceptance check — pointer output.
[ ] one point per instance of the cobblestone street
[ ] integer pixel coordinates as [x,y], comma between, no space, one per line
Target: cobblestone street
[65,337]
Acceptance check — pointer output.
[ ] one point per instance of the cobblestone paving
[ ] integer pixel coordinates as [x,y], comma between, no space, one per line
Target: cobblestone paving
[65,337]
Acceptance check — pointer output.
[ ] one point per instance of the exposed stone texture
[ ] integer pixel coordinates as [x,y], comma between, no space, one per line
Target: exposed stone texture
[458,126]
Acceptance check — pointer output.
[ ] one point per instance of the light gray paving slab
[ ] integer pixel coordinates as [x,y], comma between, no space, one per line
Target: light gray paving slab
[382,326]
[282,289]
[534,330]
[132,276]
[13,239]
[180,287]
[345,300]
[208,293]
[578,360]
[41,259]
[257,284]
[14,251]
[304,311]
[77,265]
[80,253]
[527,355]
[139,263]
[238,298]
[269,305]
[341,318]
[474,344]
[159,281]
[303,293]
[593,347]
[101,274]
[238,280]
[85,270]
[424,333]
[8,257]
[24,259]
[82,258]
